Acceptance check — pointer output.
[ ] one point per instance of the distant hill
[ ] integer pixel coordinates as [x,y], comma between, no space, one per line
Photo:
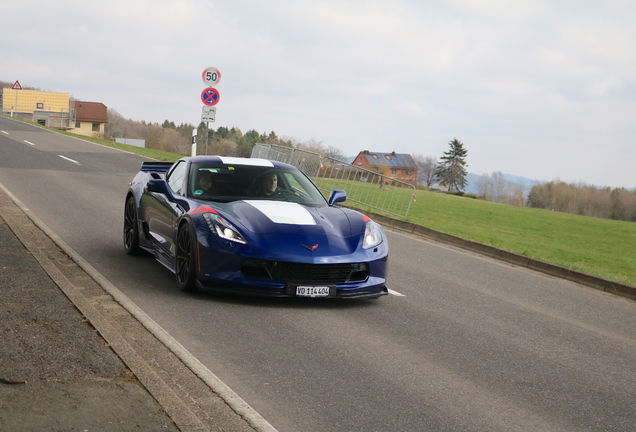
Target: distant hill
[471,187]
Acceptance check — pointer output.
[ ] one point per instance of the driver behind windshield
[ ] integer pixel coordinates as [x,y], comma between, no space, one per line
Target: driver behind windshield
[204,183]
[269,185]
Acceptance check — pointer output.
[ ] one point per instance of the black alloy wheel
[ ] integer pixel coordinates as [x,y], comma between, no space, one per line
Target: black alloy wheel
[185,268]
[131,228]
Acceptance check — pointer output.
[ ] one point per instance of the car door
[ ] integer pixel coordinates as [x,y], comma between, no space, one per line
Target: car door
[167,209]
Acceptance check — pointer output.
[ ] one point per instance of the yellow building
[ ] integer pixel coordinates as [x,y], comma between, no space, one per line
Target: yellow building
[46,108]
[89,118]
[54,110]
[29,101]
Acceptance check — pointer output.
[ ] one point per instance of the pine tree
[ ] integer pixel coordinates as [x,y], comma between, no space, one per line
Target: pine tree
[451,171]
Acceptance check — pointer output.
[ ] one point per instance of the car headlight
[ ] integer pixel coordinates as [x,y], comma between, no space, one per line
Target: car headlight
[222,228]
[372,235]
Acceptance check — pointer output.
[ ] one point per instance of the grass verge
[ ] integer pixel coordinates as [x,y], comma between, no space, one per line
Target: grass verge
[599,247]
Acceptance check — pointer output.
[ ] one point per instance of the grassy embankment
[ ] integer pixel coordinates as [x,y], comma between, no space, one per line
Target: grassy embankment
[600,247]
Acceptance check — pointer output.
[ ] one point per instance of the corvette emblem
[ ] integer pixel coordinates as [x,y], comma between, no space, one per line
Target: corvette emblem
[311,248]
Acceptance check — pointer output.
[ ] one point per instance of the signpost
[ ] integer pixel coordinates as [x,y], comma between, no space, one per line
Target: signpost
[210,97]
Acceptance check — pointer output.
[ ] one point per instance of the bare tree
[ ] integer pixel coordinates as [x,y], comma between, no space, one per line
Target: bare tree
[495,187]
[312,145]
[426,167]
[335,153]
[484,186]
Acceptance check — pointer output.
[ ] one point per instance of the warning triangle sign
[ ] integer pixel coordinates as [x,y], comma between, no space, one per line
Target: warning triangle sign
[17,86]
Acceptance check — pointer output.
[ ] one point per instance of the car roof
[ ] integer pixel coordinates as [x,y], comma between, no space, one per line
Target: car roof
[227,160]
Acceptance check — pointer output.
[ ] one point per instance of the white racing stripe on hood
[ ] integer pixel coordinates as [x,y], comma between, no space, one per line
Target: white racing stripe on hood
[283,212]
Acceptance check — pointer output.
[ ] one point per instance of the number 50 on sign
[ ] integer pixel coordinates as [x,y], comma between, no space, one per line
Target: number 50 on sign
[211,76]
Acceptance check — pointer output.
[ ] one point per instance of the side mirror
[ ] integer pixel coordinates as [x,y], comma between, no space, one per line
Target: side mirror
[337,196]
[158,186]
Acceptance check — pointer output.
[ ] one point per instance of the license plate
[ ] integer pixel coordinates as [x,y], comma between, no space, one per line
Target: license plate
[312,291]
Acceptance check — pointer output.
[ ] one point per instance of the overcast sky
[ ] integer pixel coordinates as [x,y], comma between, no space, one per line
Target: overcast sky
[540,89]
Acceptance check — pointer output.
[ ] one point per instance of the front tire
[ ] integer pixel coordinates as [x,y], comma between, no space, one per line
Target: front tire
[185,268]
[131,228]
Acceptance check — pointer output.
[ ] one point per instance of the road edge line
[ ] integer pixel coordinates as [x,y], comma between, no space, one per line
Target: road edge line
[242,408]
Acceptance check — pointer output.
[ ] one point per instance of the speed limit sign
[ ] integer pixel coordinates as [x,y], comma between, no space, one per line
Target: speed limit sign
[211,76]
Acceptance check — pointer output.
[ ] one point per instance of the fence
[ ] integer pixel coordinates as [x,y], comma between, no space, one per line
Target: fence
[363,186]
[306,161]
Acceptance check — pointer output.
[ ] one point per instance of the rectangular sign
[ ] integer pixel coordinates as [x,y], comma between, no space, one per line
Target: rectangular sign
[209,114]
[206,118]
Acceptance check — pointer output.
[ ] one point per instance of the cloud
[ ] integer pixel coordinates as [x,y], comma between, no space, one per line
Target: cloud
[539,89]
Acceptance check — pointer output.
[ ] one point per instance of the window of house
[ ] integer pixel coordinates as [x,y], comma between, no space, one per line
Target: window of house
[393,171]
[408,173]
[40,105]
[95,127]
[375,156]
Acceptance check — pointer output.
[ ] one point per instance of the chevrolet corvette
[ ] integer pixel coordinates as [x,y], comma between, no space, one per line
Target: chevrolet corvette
[252,227]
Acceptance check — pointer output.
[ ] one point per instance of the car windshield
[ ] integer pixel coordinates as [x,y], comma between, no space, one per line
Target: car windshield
[217,182]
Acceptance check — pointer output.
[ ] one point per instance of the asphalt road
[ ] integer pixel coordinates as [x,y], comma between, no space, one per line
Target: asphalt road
[472,345]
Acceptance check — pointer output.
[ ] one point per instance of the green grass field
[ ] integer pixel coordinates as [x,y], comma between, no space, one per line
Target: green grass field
[599,247]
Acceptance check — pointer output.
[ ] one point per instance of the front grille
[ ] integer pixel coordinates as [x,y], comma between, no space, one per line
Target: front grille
[305,273]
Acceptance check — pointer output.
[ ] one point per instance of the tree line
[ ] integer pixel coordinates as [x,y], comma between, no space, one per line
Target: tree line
[174,138]
[585,200]
[449,171]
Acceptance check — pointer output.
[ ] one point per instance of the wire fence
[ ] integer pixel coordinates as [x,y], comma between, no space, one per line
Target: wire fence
[366,187]
[306,161]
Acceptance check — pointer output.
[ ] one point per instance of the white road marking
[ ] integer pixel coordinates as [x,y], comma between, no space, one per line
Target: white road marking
[5,132]
[29,142]
[395,293]
[69,159]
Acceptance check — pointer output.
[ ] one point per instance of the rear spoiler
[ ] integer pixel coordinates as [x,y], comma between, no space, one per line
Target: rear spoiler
[156,166]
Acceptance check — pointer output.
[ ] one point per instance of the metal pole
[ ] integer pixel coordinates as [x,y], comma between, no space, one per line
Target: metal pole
[194,142]
[207,136]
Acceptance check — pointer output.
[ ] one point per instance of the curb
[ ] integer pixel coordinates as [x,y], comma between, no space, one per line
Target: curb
[585,279]
[163,391]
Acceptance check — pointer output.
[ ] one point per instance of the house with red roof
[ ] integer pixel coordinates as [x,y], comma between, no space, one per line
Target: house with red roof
[399,166]
[90,118]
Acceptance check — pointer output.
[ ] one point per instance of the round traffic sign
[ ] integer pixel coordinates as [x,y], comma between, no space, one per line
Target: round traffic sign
[210,96]
[211,76]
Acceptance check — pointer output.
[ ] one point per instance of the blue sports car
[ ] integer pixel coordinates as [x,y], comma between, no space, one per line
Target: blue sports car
[254,227]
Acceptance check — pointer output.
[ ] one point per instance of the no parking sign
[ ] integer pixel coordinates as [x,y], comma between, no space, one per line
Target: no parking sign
[210,96]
